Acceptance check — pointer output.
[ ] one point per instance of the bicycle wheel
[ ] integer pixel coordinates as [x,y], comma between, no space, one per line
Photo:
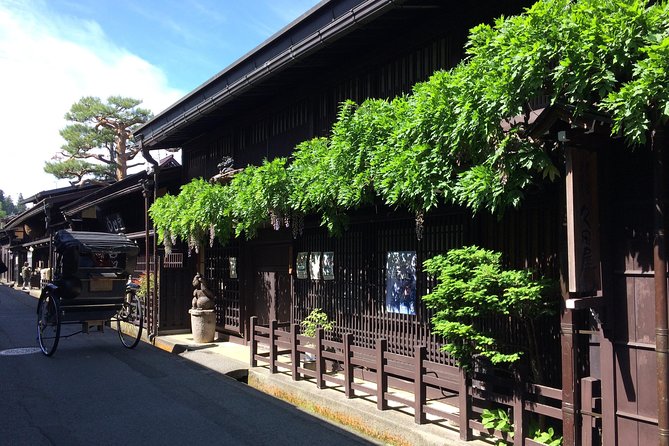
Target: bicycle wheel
[129,322]
[48,324]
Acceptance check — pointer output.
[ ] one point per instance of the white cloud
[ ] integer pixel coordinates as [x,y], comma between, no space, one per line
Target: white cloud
[47,63]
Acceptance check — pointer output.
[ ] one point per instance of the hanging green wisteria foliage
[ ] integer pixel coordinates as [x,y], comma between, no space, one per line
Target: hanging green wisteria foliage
[452,139]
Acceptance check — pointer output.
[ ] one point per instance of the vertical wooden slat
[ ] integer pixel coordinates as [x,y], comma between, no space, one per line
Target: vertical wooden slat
[348,367]
[294,354]
[381,377]
[420,394]
[254,342]
[465,406]
[519,419]
[320,360]
[272,346]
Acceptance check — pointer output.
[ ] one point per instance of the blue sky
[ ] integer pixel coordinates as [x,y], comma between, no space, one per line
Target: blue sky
[53,52]
[189,40]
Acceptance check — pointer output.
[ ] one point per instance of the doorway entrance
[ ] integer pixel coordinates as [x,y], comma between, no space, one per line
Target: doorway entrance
[273,286]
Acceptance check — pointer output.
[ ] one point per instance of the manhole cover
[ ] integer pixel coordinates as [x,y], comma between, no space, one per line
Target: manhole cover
[20,351]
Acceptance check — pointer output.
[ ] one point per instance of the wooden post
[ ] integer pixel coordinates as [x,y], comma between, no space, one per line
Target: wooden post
[320,361]
[608,364]
[590,392]
[660,278]
[465,405]
[294,354]
[570,390]
[381,377]
[519,419]
[575,266]
[272,346]
[348,367]
[420,394]
[254,342]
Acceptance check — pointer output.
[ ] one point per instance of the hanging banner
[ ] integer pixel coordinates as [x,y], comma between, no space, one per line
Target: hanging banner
[233,267]
[328,265]
[583,222]
[301,265]
[401,282]
[315,265]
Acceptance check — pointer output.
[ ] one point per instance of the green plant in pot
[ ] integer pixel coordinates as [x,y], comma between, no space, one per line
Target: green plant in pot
[315,320]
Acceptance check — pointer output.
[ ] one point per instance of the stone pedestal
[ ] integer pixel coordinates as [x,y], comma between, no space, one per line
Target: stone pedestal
[203,325]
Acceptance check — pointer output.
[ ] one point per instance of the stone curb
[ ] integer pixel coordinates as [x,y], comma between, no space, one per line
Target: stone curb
[359,414]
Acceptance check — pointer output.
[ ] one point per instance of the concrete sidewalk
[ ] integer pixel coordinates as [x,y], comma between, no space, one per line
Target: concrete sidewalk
[227,358]
[394,426]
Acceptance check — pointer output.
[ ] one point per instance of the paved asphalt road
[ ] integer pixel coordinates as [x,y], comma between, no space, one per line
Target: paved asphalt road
[93,391]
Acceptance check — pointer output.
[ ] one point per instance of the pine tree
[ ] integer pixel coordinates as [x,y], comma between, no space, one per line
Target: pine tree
[100,132]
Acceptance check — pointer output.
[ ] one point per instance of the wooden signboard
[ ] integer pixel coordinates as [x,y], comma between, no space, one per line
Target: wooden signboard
[583,223]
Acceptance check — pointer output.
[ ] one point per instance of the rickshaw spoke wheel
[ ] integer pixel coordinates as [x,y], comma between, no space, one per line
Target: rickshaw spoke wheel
[129,321]
[48,324]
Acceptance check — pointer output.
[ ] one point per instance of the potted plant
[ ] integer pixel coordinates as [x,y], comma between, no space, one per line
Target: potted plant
[315,320]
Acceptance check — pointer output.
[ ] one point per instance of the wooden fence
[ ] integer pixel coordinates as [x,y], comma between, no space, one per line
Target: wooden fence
[428,387]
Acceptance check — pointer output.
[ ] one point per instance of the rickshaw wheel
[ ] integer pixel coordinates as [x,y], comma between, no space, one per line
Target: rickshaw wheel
[129,321]
[48,324]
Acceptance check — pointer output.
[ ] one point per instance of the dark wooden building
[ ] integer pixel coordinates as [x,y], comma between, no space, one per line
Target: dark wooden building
[26,237]
[288,90]
[601,351]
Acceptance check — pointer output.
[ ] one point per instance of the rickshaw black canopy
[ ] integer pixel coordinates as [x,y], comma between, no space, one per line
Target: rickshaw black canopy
[73,245]
[87,242]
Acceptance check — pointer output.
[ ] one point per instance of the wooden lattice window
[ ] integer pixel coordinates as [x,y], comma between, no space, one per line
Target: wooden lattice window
[174,260]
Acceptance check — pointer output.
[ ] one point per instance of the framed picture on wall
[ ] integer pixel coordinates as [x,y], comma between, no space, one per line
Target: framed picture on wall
[401,282]
[315,265]
[301,265]
[328,265]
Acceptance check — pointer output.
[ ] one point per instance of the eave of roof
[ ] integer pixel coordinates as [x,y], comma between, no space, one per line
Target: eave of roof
[127,185]
[87,202]
[60,191]
[35,210]
[547,117]
[319,26]
[44,204]
[130,184]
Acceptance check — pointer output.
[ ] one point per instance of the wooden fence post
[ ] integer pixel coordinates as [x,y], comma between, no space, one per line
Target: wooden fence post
[465,403]
[320,360]
[348,367]
[590,407]
[420,394]
[254,342]
[294,354]
[381,377]
[272,346]
[519,418]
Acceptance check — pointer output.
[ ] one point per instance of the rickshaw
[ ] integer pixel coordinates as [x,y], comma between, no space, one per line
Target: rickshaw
[90,287]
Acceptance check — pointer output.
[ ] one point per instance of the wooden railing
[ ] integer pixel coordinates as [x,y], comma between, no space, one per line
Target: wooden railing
[428,387]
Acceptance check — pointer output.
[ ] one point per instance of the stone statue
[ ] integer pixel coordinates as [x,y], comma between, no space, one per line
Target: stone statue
[203,298]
